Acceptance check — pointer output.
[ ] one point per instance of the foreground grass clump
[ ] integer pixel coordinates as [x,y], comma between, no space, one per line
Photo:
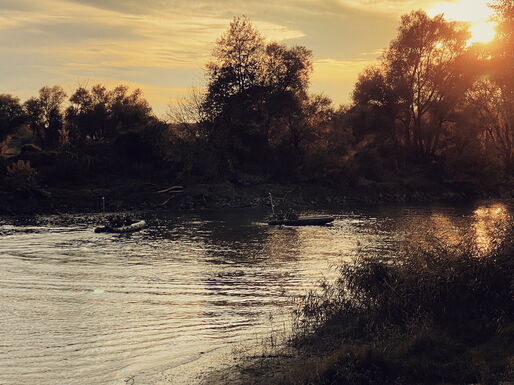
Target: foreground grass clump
[432,315]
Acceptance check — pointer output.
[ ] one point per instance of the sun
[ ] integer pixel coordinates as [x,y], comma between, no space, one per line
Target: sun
[474,12]
[482,32]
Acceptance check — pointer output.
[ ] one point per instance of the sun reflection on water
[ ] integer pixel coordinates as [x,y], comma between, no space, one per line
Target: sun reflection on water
[445,229]
[490,224]
[479,230]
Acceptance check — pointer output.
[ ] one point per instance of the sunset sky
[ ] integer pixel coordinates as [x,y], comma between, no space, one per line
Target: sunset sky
[161,46]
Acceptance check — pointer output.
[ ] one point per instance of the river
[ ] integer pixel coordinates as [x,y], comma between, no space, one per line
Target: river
[83,308]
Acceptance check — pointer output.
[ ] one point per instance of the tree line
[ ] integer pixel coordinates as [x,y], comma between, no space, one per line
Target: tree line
[433,107]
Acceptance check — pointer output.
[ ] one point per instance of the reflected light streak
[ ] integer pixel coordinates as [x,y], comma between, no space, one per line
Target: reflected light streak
[444,229]
[489,225]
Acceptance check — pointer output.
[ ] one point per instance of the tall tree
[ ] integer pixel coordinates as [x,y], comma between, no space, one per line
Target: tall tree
[494,110]
[375,106]
[505,31]
[254,94]
[493,95]
[285,79]
[422,68]
[45,114]
[236,65]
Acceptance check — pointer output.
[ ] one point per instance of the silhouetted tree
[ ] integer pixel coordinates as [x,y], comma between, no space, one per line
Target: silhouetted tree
[11,115]
[45,114]
[421,67]
[254,94]
[493,108]
[492,97]
[101,115]
[503,77]
[285,104]
[236,67]
[375,107]
[505,31]
[87,115]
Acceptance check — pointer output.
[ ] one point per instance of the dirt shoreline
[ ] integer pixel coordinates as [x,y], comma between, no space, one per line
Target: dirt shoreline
[138,195]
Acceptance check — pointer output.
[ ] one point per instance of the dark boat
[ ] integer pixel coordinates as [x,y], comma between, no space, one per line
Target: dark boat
[136,226]
[301,221]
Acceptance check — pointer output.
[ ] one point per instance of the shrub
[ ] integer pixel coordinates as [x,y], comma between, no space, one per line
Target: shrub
[433,314]
[21,176]
[446,284]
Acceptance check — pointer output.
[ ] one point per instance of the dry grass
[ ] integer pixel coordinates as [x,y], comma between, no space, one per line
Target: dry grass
[432,315]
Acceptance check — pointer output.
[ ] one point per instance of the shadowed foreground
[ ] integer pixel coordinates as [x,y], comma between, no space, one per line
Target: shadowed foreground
[433,315]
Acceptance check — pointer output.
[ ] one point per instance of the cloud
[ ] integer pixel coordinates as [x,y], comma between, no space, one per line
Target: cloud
[165,44]
[18,5]
[210,8]
[395,7]
[168,38]
[72,43]
[62,32]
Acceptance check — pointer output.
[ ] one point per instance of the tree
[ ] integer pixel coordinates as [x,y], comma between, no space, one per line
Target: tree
[254,94]
[491,109]
[285,79]
[11,115]
[423,71]
[130,111]
[505,31]
[286,69]
[45,114]
[503,76]
[236,66]
[375,106]
[102,115]
[87,115]
[502,52]
[187,114]
[493,97]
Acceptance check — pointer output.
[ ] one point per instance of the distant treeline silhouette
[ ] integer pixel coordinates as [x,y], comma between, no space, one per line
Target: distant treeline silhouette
[434,108]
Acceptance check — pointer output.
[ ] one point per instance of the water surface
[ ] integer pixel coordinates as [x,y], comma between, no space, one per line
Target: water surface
[78,307]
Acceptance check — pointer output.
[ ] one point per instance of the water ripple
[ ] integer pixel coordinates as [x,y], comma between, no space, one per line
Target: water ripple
[99,308]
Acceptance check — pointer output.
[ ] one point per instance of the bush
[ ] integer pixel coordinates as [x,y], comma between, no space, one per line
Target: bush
[21,176]
[434,314]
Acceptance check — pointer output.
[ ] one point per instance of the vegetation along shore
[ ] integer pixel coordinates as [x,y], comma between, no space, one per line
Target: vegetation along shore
[432,314]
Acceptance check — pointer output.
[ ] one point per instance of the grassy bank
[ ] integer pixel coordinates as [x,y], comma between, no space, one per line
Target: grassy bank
[431,315]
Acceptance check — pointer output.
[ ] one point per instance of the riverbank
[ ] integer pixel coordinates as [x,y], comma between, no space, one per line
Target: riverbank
[436,315]
[429,357]
[135,194]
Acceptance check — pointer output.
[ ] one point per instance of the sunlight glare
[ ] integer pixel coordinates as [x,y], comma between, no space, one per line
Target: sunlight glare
[475,12]
[482,32]
[490,224]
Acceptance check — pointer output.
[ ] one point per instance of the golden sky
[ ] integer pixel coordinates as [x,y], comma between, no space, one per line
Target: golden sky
[162,46]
